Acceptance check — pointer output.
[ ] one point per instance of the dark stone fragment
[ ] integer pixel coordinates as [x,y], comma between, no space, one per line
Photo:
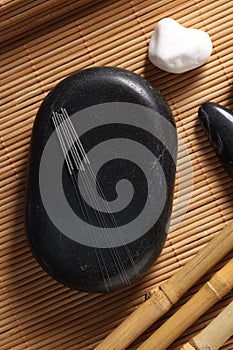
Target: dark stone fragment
[218,124]
[104,238]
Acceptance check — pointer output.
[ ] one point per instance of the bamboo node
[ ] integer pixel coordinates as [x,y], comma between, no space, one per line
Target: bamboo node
[195,346]
[160,298]
[188,346]
[214,291]
[220,283]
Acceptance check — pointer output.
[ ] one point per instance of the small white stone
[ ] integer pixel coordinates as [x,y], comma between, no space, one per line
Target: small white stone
[177,49]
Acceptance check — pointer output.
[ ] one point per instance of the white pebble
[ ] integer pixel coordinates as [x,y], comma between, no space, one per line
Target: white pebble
[177,49]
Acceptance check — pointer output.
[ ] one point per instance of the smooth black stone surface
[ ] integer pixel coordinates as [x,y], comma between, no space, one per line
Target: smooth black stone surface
[94,267]
[218,124]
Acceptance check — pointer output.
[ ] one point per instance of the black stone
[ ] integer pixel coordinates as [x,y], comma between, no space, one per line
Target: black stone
[218,124]
[103,265]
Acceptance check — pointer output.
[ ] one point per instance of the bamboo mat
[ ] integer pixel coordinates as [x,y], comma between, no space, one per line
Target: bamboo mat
[41,42]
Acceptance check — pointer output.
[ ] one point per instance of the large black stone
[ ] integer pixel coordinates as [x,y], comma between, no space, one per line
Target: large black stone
[128,133]
[218,124]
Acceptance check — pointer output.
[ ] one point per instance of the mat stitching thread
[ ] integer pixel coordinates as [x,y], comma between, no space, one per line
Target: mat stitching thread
[83,36]
[211,190]
[21,331]
[214,47]
[169,239]
[8,156]
[14,314]
[138,20]
[175,109]
[33,66]
[35,70]
[199,164]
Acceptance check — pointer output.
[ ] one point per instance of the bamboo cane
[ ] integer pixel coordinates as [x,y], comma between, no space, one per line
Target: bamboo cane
[215,334]
[163,297]
[212,291]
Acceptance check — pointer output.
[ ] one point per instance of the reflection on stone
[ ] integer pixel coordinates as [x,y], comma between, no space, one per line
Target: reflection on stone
[218,124]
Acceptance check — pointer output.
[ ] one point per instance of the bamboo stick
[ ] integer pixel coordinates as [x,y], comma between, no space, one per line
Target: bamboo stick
[212,291]
[215,334]
[166,295]
[82,345]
